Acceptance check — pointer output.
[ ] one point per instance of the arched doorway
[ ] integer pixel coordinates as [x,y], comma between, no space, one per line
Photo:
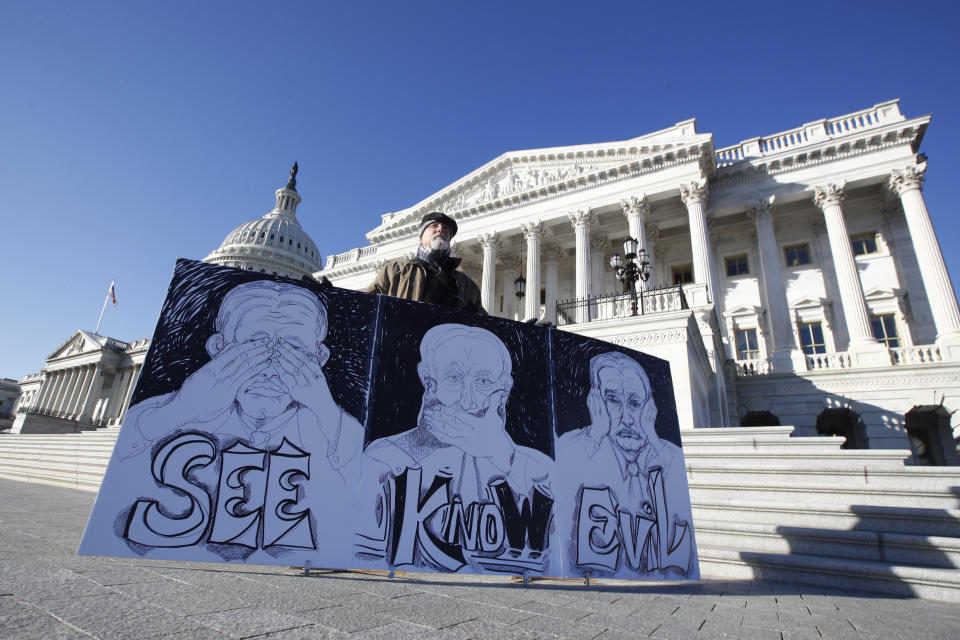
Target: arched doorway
[845,423]
[931,439]
[759,419]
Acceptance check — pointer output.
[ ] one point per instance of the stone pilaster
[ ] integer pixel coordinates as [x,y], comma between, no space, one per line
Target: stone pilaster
[533,232]
[908,185]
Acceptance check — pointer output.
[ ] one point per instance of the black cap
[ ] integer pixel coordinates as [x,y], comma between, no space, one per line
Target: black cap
[438,216]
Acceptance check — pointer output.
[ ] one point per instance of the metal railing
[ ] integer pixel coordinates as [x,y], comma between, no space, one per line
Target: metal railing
[621,305]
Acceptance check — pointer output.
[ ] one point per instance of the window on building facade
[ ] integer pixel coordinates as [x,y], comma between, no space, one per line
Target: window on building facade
[746,341]
[737,265]
[682,273]
[797,254]
[811,338]
[864,243]
[885,329]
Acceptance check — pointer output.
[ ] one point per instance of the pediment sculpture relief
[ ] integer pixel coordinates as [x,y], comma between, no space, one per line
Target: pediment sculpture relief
[509,182]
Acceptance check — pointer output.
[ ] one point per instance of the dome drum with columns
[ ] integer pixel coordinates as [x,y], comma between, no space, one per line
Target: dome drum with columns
[274,244]
[794,275]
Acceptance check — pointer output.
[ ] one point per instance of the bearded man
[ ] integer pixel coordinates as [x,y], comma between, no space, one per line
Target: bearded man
[432,275]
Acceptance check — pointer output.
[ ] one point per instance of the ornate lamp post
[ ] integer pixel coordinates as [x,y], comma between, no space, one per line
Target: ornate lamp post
[631,267]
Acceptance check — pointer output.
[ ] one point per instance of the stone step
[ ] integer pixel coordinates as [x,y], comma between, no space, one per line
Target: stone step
[878,546]
[833,573]
[892,519]
[790,458]
[75,479]
[811,497]
[736,433]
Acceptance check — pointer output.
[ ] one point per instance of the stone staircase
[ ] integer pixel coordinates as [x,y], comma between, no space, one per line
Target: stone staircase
[805,511]
[765,506]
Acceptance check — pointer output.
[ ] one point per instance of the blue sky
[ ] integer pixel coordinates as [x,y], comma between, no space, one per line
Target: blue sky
[133,133]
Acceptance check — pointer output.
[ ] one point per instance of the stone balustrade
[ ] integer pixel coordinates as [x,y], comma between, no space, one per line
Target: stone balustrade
[822,129]
[616,306]
[923,354]
[821,361]
[753,367]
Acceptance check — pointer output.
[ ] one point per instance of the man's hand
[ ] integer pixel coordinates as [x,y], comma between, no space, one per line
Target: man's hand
[600,420]
[211,389]
[483,436]
[303,377]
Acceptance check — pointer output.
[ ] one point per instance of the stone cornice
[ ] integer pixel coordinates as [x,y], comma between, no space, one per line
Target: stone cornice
[480,192]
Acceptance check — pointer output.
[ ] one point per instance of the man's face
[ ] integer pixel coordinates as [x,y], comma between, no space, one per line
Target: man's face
[467,372]
[264,395]
[625,396]
[436,236]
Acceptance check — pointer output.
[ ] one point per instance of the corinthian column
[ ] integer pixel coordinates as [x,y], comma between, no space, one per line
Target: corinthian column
[827,199]
[598,246]
[551,281]
[694,196]
[786,357]
[533,232]
[635,210]
[936,281]
[510,265]
[581,221]
[488,286]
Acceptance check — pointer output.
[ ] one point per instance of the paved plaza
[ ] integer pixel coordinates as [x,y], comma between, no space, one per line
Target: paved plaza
[47,591]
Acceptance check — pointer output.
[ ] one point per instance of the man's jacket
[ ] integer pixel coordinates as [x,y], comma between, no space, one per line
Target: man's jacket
[421,281]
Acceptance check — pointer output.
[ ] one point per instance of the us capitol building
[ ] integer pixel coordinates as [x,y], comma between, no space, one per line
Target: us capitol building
[794,278]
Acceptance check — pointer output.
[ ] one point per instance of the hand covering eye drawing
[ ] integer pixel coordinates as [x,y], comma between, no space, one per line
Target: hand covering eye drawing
[276,422]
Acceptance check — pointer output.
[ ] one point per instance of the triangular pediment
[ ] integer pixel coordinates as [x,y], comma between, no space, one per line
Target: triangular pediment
[742,311]
[809,303]
[518,177]
[879,293]
[79,342]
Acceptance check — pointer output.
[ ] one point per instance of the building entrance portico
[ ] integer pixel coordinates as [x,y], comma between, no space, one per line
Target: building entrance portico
[803,253]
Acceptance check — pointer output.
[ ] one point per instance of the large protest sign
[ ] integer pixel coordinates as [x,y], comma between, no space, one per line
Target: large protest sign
[276,422]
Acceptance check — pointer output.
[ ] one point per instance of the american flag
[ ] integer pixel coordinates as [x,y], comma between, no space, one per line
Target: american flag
[112,294]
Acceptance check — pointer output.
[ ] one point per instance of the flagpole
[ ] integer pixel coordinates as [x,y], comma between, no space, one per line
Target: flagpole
[103,308]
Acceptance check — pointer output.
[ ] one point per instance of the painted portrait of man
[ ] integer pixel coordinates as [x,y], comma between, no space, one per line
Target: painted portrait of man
[459,439]
[248,456]
[627,509]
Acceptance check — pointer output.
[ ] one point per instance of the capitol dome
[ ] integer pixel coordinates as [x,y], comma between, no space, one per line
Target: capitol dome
[274,244]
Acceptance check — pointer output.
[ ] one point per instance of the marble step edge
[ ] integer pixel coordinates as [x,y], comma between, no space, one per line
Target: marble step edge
[880,546]
[832,573]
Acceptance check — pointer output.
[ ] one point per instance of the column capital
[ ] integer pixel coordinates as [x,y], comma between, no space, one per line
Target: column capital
[553,254]
[635,205]
[829,194]
[599,242]
[510,260]
[581,218]
[489,241]
[907,179]
[693,192]
[532,229]
[762,208]
[652,230]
